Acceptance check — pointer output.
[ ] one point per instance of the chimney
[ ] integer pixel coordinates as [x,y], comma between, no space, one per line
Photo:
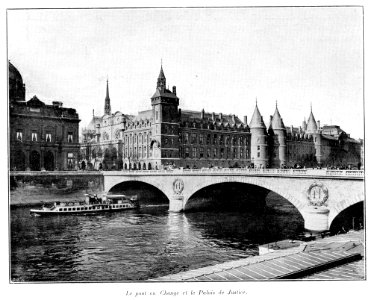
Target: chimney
[174,90]
[180,112]
[220,116]
[213,116]
[318,124]
[233,118]
[57,104]
[202,114]
[245,119]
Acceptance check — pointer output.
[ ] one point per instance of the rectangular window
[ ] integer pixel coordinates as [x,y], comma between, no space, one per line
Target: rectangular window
[214,152]
[208,152]
[156,115]
[258,148]
[201,152]
[221,152]
[193,138]
[70,161]
[186,137]
[201,139]
[19,135]
[48,137]
[34,136]
[241,153]
[70,137]
[194,152]
[258,154]
[234,153]
[186,152]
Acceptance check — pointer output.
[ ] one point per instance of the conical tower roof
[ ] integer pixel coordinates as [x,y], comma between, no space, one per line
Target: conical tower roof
[311,125]
[257,119]
[277,122]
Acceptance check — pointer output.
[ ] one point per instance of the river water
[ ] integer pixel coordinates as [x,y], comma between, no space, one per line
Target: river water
[138,244]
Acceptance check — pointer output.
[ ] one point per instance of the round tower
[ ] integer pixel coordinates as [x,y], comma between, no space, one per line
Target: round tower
[279,130]
[259,146]
[315,132]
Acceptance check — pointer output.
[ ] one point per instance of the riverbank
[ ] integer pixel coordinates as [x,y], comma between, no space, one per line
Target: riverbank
[342,254]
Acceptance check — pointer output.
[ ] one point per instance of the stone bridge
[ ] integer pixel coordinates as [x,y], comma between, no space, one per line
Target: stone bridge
[318,194]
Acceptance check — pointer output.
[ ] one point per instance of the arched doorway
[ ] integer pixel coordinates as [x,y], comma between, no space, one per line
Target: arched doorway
[49,161]
[83,165]
[19,161]
[149,166]
[35,161]
[139,166]
[144,166]
[125,166]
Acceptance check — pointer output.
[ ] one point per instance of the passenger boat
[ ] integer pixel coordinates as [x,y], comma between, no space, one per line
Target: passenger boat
[92,204]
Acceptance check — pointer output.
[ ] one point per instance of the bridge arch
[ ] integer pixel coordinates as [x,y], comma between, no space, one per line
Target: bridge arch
[262,183]
[157,185]
[342,205]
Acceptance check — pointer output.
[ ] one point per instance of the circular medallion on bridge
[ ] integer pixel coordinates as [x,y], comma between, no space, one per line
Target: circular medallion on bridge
[317,194]
[178,186]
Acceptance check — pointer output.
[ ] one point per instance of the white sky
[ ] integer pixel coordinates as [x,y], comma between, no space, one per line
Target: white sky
[219,59]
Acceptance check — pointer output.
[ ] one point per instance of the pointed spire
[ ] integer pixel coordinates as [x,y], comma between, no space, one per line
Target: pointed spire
[107,102]
[312,124]
[277,122]
[161,80]
[107,91]
[257,119]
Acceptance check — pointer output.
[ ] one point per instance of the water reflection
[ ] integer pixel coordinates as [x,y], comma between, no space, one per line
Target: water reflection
[134,245]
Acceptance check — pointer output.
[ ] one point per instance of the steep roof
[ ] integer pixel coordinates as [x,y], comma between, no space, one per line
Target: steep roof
[196,115]
[257,119]
[312,125]
[277,122]
[165,93]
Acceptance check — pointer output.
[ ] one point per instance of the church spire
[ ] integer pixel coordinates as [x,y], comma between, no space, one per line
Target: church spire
[107,102]
[161,80]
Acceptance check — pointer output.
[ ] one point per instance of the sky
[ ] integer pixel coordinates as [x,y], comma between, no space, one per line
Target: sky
[220,59]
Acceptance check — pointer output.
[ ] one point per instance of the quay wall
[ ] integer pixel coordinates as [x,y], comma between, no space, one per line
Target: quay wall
[32,188]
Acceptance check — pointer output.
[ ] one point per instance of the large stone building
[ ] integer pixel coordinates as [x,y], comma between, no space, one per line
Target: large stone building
[165,135]
[41,136]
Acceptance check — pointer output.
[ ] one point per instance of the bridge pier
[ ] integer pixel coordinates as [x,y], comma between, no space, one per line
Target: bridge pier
[176,203]
[316,218]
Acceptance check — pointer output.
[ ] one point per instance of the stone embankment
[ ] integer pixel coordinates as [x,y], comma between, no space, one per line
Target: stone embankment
[32,188]
[338,257]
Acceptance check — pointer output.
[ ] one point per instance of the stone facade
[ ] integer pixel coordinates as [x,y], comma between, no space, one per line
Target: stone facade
[166,136]
[42,137]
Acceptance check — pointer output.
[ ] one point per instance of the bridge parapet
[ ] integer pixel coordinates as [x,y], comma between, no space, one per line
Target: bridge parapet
[353,174]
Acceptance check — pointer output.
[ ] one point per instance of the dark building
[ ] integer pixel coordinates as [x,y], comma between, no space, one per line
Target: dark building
[41,136]
[166,135]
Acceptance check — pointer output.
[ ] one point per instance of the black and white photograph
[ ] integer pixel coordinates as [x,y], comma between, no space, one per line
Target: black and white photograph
[205,145]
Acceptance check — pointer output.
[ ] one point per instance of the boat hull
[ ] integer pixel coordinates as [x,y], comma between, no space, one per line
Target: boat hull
[80,210]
